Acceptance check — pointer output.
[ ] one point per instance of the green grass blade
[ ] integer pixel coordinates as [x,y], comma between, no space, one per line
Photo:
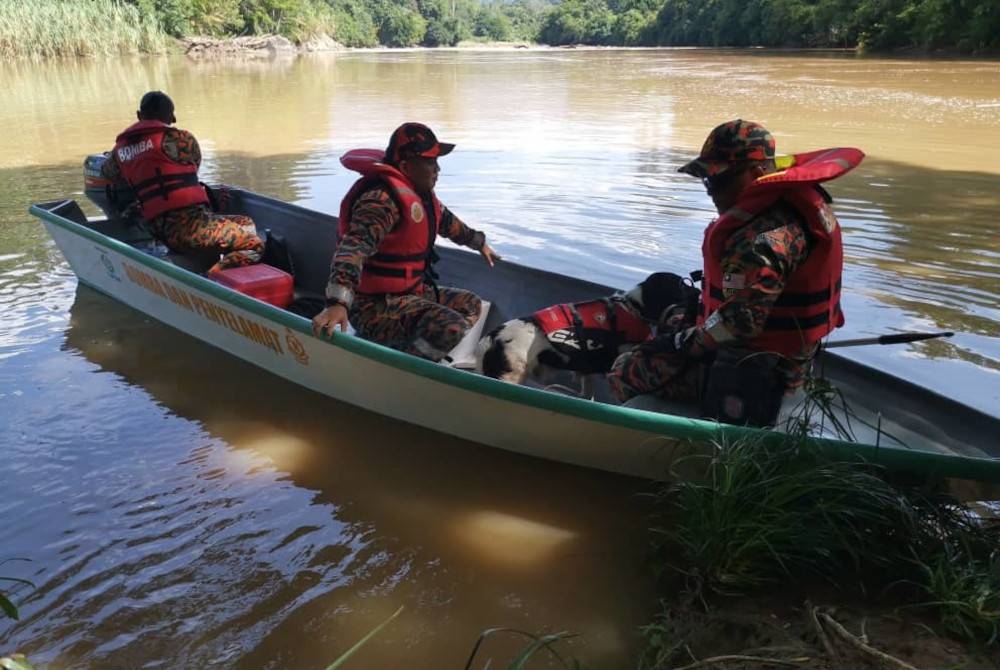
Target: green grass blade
[360,643]
[17,580]
[543,642]
[16,662]
[8,607]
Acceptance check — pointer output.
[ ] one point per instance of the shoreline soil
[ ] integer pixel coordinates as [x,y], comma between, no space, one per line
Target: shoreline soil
[276,46]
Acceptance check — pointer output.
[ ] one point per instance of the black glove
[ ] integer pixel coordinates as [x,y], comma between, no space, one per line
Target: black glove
[676,342]
[218,197]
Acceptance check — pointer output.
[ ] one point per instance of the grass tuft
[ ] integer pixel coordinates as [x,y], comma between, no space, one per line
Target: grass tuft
[343,658]
[536,645]
[766,514]
[963,587]
[74,28]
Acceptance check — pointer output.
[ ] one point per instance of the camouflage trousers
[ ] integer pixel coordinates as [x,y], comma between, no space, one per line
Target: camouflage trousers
[646,369]
[426,323]
[196,229]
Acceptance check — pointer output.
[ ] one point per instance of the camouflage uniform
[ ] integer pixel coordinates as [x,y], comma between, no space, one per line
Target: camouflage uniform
[430,321]
[196,228]
[765,252]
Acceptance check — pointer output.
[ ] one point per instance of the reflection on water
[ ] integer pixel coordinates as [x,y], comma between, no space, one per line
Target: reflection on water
[179,505]
[196,521]
[925,249]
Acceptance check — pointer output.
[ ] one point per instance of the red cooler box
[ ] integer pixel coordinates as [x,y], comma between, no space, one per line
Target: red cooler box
[259,281]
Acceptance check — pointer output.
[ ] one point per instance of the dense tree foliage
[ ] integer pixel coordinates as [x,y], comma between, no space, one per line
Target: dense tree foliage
[354,22]
[964,25]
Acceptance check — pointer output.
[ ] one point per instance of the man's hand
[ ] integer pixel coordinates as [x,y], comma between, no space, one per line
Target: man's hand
[218,196]
[222,197]
[685,339]
[491,256]
[328,320]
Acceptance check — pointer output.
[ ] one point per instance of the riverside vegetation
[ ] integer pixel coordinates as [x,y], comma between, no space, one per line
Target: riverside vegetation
[46,28]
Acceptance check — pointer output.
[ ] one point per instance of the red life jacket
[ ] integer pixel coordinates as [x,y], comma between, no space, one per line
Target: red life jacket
[809,306]
[403,257]
[160,184]
[588,334]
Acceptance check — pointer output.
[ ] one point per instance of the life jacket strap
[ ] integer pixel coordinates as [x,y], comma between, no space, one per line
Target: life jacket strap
[399,258]
[399,273]
[800,323]
[161,186]
[787,299]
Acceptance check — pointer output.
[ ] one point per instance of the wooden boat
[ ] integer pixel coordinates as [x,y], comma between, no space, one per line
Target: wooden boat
[896,424]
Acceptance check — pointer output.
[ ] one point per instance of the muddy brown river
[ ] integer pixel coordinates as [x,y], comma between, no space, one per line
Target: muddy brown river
[181,508]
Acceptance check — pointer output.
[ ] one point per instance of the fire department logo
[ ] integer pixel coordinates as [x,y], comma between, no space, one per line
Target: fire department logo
[296,347]
[417,212]
[732,407]
[109,267]
[600,318]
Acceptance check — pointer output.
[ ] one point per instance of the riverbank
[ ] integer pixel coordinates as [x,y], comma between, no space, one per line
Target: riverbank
[265,46]
[789,630]
[268,46]
[276,46]
[87,28]
[782,557]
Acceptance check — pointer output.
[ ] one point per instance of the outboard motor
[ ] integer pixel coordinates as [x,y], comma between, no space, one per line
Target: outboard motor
[117,202]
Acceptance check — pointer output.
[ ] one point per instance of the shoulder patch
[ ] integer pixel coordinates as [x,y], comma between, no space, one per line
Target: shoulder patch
[827,217]
[733,280]
[417,212]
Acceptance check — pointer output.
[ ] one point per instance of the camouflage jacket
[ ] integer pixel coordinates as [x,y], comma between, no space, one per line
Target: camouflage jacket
[764,253]
[375,213]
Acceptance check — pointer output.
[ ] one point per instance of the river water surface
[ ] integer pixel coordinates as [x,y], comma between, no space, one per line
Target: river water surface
[179,507]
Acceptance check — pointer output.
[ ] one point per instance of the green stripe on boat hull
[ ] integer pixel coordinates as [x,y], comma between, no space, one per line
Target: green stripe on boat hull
[352,370]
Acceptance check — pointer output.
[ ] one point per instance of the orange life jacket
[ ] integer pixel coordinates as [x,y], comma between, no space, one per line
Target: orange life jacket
[809,306]
[160,183]
[588,334]
[404,255]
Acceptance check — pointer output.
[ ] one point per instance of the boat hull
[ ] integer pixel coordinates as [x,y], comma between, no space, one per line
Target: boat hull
[351,370]
[281,343]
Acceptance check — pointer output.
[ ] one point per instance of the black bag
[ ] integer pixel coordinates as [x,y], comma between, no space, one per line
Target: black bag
[744,388]
[276,253]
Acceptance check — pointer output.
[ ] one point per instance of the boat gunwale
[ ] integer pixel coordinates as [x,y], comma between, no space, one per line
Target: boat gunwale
[668,426]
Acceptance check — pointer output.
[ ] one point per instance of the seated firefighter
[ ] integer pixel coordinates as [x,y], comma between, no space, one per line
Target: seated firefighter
[382,276]
[159,163]
[771,281]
